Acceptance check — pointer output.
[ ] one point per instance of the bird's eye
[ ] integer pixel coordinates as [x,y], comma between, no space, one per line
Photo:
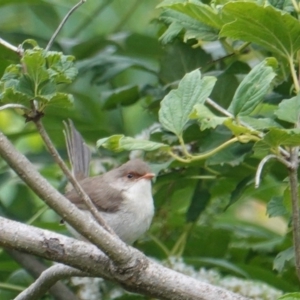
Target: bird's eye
[129,175]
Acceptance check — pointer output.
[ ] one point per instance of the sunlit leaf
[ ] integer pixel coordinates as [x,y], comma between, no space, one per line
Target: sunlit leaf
[238,129]
[206,118]
[123,143]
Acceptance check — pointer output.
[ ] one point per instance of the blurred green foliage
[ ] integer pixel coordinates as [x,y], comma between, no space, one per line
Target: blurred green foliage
[132,62]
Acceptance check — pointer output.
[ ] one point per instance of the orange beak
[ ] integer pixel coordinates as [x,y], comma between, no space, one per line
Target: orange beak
[147,176]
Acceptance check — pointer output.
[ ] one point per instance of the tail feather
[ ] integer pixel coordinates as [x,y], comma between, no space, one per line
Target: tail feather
[78,152]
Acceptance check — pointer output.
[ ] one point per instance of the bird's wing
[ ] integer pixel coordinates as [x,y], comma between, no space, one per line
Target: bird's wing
[104,196]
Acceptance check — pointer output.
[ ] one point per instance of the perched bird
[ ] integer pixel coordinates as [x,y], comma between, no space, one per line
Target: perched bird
[123,195]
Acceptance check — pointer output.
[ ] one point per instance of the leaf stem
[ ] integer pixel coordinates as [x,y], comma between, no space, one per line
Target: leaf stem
[190,158]
[184,150]
[225,112]
[263,162]
[62,23]
[294,75]
[12,287]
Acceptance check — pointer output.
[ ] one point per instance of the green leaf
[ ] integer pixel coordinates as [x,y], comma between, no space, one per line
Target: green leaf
[172,31]
[259,123]
[282,258]
[35,65]
[289,110]
[194,29]
[284,137]
[238,129]
[264,25]
[253,88]
[120,143]
[206,118]
[179,103]
[275,207]
[61,67]
[10,95]
[198,11]
[125,95]
[61,100]
[290,296]
[198,204]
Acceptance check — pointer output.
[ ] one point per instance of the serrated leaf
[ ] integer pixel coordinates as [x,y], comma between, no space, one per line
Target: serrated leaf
[198,11]
[289,110]
[120,143]
[12,72]
[61,100]
[275,207]
[282,137]
[125,95]
[178,104]
[61,67]
[253,88]
[194,29]
[10,95]
[206,118]
[35,65]
[282,257]
[264,25]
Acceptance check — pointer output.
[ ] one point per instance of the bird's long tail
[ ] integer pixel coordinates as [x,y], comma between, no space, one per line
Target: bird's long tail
[78,152]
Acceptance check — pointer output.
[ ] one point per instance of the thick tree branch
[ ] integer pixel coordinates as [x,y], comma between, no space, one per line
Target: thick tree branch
[151,278]
[293,176]
[128,267]
[34,267]
[118,251]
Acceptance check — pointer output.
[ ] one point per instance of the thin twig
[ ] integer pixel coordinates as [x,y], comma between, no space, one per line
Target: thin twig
[86,199]
[219,108]
[295,206]
[228,114]
[263,162]
[60,26]
[47,279]
[6,44]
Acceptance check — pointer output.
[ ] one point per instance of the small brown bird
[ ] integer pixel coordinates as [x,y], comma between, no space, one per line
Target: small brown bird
[122,195]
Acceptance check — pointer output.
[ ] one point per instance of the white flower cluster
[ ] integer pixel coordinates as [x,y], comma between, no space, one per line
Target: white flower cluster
[251,289]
